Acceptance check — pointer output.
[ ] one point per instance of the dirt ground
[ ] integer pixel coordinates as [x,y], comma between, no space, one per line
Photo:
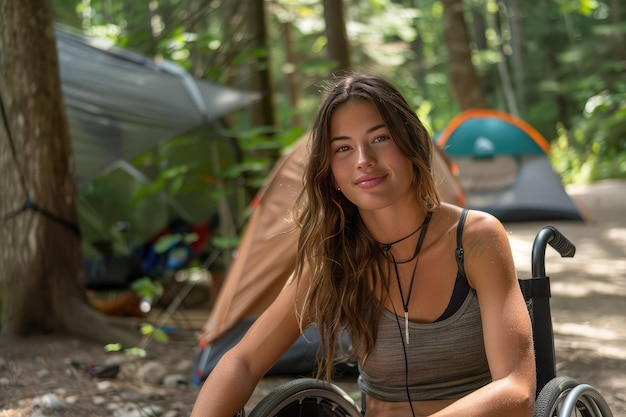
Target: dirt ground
[588,311]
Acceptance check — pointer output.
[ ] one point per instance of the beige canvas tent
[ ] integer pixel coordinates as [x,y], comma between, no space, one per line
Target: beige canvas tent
[266,257]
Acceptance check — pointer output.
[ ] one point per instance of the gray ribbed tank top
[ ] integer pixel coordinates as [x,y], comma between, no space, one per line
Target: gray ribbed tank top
[446,359]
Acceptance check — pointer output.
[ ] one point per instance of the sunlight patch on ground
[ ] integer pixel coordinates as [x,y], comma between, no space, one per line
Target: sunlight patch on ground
[598,348]
[618,382]
[616,268]
[584,330]
[617,234]
[15,412]
[584,273]
[584,288]
[611,352]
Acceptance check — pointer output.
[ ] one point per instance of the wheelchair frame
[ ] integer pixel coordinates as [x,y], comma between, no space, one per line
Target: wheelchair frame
[557,396]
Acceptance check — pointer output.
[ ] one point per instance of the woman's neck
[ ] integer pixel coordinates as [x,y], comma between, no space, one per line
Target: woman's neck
[398,229]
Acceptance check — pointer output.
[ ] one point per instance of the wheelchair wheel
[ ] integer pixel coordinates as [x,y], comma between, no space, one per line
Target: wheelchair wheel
[306,397]
[565,397]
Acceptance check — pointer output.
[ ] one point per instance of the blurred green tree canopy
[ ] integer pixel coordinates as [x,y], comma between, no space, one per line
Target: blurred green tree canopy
[557,64]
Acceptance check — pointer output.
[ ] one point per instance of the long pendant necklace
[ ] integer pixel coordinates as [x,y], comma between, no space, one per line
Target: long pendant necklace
[386,247]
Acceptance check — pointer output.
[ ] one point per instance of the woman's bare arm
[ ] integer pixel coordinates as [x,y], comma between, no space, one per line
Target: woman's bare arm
[232,382]
[506,325]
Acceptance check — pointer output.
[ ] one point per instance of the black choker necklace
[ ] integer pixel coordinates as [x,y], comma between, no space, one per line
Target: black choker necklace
[387,249]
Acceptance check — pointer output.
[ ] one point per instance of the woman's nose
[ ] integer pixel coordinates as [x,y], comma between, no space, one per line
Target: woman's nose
[365,157]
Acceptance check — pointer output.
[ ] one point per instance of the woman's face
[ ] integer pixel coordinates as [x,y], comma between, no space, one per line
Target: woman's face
[366,163]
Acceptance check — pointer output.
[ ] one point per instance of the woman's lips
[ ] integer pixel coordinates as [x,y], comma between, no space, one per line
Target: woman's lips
[369,181]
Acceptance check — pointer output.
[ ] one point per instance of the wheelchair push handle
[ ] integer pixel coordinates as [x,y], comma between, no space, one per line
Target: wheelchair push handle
[552,236]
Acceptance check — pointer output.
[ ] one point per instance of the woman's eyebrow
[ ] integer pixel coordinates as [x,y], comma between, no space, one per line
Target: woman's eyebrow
[374,128]
[370,130]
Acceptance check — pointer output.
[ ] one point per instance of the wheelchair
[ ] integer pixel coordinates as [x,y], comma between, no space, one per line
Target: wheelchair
[557,396]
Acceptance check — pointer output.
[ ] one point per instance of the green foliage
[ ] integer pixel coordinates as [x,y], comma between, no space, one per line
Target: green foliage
[133,351]
[225,242]
[569,72]
[590,142]
[168,180]
[145,287]
[149,332]
[595,147]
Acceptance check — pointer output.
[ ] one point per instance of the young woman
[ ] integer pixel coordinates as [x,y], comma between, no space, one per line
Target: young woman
[427,292]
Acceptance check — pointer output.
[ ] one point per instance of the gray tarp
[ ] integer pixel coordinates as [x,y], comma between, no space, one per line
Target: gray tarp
[120,103]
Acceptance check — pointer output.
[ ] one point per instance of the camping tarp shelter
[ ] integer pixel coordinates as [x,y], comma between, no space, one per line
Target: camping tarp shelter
[266,258]
[504,167]
[120,103]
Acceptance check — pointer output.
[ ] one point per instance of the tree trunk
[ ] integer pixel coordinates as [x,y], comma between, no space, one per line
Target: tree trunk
[264,112]
[503,67]
[616,19]
[292,80]
[338,49]
[463,78]
[479,27]
[40,247]
[519,64]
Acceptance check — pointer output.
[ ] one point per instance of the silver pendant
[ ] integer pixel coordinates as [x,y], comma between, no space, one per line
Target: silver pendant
[406,326]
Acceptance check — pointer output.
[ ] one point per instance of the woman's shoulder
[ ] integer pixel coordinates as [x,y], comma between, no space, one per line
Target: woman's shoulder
[486,245]
[480,224]
[477,220]
[478,228]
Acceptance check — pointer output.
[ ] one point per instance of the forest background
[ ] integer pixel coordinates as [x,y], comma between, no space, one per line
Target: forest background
[558,64]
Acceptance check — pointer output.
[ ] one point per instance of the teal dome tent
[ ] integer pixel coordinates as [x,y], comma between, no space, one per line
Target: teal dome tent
[504,167]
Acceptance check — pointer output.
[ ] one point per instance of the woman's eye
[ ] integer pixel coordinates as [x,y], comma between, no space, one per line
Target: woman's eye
[342,148]
[380,138]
